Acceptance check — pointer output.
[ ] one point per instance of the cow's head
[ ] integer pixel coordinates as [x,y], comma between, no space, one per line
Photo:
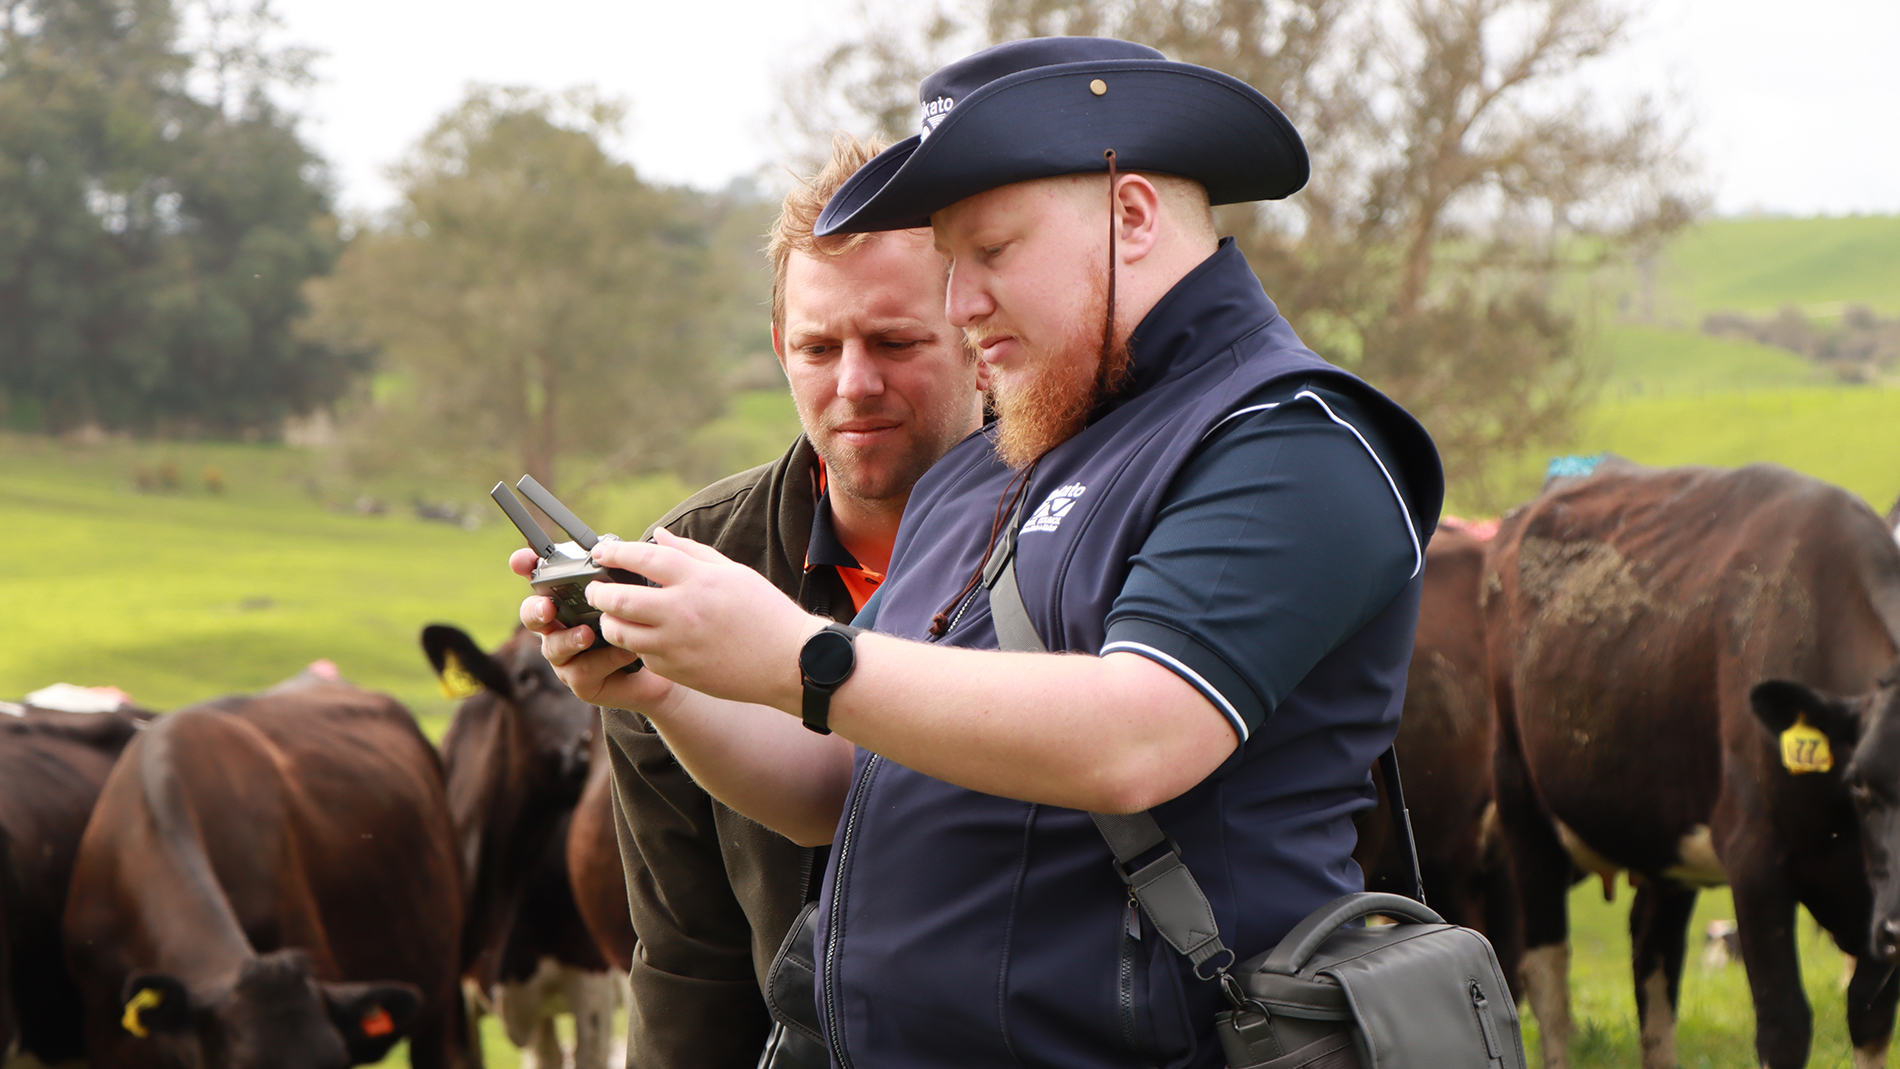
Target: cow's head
[275,1016]
[514,761]
[550,729]
[1863,751]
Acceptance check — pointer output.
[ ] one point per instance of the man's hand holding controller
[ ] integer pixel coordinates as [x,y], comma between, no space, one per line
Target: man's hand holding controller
[559,611]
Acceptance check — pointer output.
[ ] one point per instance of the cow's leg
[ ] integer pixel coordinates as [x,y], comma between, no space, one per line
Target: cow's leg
[449,1038]
[1764,919]
[1502,924]
[593,997]
[543,1049]
[1541,870]
[1659,928]
[1871,997]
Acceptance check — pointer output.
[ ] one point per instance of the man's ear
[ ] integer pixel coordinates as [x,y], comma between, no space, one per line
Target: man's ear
[371,1017]
[1778,702]
[1140,216]
[460,665]
[155,1002]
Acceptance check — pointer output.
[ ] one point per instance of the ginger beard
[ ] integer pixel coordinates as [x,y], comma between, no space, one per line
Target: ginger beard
[1047,399]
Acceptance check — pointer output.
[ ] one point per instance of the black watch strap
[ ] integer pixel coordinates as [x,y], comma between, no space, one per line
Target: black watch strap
[824,663]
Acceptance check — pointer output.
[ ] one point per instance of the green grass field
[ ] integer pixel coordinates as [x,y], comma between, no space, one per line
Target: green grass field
[1717,1025]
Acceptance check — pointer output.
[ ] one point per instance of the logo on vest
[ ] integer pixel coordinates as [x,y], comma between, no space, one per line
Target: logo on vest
[1048,515]
[935,113]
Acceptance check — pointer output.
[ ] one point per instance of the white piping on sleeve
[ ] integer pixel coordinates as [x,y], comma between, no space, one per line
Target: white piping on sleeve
[1235,414]
[1220,700]
[1417,550]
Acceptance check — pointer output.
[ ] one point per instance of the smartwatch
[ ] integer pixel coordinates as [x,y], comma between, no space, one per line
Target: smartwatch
[824,664]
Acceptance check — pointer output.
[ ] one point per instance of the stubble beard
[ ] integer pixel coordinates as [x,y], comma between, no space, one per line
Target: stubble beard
[882,481]
[1049,398]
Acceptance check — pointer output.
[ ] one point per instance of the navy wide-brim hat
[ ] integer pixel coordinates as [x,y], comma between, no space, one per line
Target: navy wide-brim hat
[1051,106]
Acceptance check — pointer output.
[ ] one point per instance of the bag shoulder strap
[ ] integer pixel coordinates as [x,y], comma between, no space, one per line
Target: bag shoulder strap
[1164,888]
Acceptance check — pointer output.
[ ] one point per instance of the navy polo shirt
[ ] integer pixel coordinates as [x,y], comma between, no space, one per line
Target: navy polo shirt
[1297,492]
[1296,485]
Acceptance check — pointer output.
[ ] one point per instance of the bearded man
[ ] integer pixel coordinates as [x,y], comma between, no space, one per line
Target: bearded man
[883,386]
[1217,533]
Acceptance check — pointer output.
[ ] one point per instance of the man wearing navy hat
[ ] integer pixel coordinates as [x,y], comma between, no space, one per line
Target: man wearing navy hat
[1217,533]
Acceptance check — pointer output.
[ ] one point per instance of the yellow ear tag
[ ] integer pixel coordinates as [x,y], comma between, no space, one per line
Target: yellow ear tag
[1805,749]
[457,682]
[147,998]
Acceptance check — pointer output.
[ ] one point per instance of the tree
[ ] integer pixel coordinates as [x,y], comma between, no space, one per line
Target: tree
[1463,181]
[533,297]
[152,243]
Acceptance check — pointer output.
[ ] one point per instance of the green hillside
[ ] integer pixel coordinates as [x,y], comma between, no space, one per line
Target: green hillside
[1673,395]
[1647,361]
[1758,265]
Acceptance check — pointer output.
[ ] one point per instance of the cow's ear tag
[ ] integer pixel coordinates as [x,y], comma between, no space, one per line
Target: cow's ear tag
[1804,748]
[147,998]
[377,1022]
[457,681]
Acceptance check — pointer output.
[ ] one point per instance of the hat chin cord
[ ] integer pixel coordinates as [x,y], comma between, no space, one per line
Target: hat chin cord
[1108,328]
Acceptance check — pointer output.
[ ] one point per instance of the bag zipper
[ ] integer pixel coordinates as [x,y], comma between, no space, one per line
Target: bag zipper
[833,1026]
[1482,1007]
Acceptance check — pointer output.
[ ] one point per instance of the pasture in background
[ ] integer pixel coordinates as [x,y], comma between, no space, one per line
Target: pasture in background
[1672,394]
[177,592]
[1716,1029]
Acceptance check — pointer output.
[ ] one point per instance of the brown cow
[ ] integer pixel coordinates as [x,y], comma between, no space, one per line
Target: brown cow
[594,866]
[1651,634]
[270,881]
[1444,747]
[516,756]
[551,965]
[52,765]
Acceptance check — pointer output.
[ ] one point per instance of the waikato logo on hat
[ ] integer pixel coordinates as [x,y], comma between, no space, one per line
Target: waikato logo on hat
[935,112]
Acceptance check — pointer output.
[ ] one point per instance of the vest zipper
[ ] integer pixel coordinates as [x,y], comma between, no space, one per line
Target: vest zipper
[962,606]
[834,1028]
[1125,988]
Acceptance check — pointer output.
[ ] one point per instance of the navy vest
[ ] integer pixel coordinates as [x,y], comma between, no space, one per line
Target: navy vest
[959,928]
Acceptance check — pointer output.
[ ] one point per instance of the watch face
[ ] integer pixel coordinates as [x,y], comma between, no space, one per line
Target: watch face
[827,659]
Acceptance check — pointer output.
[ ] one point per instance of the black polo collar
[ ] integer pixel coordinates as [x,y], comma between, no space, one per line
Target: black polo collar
[824,549]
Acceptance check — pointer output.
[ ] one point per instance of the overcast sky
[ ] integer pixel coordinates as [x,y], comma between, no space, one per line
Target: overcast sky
[1793,104]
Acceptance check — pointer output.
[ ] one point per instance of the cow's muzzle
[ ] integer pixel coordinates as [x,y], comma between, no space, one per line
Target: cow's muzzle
[1887,941]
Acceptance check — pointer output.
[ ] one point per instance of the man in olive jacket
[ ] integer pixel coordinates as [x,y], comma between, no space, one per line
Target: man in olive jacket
[884,386]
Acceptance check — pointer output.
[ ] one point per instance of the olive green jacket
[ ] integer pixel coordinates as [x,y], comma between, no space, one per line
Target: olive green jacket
[713,893]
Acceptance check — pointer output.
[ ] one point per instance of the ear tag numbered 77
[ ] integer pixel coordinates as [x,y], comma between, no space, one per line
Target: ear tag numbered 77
[1804,748]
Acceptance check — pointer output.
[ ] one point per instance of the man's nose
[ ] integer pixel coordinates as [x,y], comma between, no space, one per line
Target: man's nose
[859,375]
[965,303]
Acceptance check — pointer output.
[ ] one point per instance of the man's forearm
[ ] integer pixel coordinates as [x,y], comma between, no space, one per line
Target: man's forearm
[1113,734]
[760,762]
[1109,734]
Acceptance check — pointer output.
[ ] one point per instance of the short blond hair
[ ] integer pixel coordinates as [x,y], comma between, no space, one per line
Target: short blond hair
[792,230]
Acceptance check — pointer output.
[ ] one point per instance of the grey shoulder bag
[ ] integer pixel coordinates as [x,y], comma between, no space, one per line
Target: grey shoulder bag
[1416,993]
